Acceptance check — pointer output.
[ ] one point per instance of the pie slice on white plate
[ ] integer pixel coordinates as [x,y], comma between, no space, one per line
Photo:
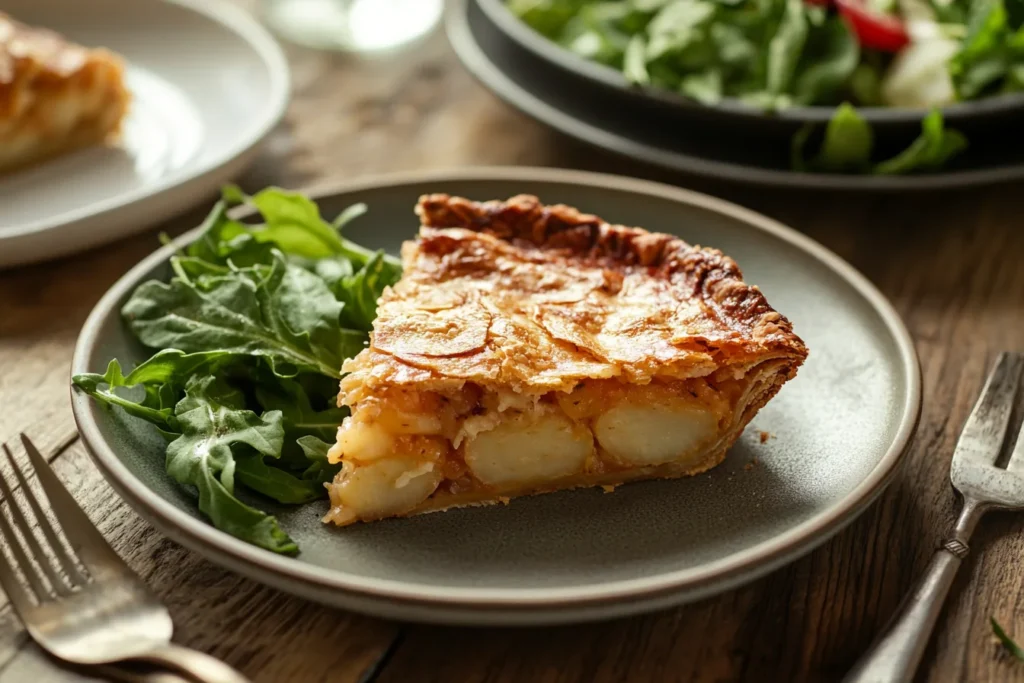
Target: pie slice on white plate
[531,348]
[55,96]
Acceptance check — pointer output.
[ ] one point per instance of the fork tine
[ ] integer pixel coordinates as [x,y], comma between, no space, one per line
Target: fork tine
[71,569]
[18,551]
[982,437]
[20,521]
[1016,462]
[84,538]
[13,587]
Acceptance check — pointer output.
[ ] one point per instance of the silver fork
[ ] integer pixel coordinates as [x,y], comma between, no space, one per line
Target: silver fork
[984,486]
[78,600]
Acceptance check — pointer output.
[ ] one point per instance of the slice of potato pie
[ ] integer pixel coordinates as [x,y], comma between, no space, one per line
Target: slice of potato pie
[532,348]
[55,96]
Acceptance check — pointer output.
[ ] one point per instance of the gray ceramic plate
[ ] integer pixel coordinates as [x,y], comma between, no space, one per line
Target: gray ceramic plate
[713,147]
[839,430]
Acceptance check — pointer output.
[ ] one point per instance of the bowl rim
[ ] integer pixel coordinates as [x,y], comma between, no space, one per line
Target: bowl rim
[605,76]
[299,577]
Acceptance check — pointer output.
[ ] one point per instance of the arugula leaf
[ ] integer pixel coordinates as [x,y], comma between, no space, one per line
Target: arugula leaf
[293,225]
[250,334]
[148,409]
[546,16]
[866,84]
[250,311]
[298,302]
[705,88]
[848,143]
[846,146]
[288,486]
[360,291]
[349,214]
[932,149]
[634,66]
[1012,647]
[679,39]
[292,400]
[785,49]
[991,49]
[218,230]
[595,45]
[736,50]
[316,452]
[163,376]
[213,419]
[831,57]
[678,21]
[252,470]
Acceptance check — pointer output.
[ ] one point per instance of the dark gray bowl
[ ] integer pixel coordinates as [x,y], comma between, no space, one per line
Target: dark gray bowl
[890,123]
[738,153]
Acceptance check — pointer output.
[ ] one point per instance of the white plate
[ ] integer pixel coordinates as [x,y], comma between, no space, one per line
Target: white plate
[208,85]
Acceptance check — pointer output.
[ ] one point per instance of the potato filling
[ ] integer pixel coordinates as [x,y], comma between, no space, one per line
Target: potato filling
[399,448]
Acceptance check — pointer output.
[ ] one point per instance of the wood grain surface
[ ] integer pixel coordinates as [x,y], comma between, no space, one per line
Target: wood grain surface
[950,262]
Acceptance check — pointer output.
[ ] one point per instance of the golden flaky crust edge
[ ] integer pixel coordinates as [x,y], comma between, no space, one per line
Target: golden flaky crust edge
[713,277]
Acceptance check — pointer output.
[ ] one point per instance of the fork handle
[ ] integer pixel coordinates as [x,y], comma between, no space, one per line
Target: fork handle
[896,655]
[197,665]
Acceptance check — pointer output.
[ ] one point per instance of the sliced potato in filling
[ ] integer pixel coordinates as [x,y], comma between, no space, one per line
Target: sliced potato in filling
[526,449]
[642,435]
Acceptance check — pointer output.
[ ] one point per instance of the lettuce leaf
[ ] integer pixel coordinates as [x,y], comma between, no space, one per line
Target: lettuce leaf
[248,338]
[1006,641]
[848,143]
[281,313]
[214,420]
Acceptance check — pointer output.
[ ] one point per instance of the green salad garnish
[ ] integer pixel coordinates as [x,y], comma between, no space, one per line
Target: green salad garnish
[1006,641]
[774,54]
[248,338]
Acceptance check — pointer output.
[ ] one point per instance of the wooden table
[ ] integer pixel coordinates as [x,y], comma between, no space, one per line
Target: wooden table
[950,262]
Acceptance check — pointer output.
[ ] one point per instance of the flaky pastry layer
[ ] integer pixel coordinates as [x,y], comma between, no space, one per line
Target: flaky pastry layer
[520,295]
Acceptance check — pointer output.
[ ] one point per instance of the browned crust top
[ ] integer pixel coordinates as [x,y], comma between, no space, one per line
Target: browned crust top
[37,62]
[536,298]
[566,233]
[47,50]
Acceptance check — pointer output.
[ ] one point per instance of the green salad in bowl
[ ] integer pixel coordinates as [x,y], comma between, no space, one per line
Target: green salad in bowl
[845,64]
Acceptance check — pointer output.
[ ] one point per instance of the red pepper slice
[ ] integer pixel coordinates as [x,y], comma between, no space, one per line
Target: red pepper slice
[873,30]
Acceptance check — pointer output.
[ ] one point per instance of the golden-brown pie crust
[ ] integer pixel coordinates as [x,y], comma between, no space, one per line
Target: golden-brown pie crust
[522,295]
[518,305]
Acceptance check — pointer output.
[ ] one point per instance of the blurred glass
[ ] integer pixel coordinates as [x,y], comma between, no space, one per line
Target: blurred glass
[352,25]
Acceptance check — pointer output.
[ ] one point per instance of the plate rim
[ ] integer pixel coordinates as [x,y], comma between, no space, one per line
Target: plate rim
[306,579]
[493,77]
[269,52]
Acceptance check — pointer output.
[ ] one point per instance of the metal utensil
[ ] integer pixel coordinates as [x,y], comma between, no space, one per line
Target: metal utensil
[78,600]
[984,485]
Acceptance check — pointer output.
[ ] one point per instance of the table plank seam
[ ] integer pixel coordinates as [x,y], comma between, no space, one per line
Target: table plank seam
[376,668]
